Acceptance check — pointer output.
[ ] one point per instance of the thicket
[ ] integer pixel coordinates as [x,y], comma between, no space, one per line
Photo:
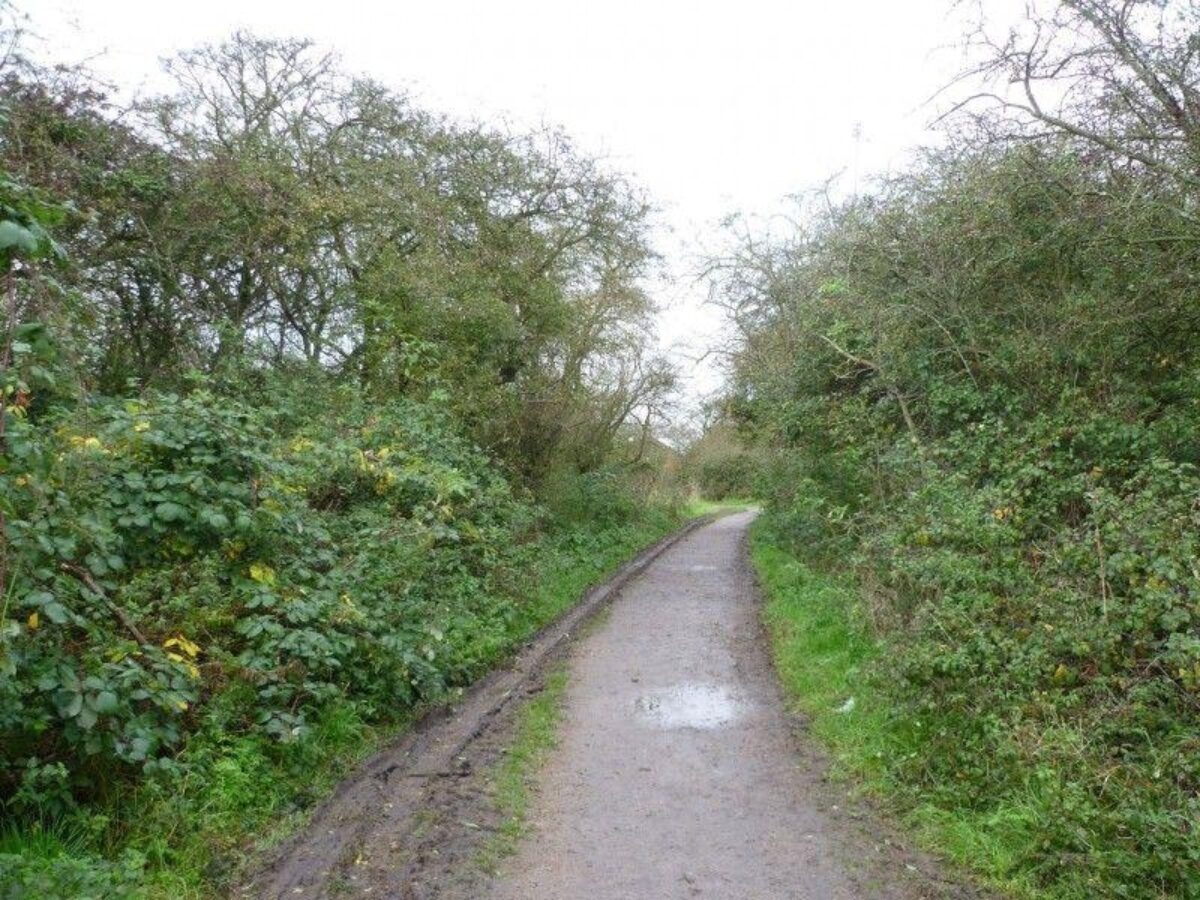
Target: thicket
[981,391]
[718,464]
[312,405]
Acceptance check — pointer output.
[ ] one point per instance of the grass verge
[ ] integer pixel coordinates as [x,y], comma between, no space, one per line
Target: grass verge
[822,652]
[534,737]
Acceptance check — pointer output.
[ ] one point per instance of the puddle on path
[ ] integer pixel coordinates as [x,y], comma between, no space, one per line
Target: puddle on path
[691,705]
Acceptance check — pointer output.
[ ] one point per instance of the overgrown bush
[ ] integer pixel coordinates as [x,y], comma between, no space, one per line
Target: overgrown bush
[982,393]
[168,548]
[720,466]
[730,476]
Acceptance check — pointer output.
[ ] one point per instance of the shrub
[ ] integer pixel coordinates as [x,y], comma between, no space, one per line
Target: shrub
[172,547]
[983,401]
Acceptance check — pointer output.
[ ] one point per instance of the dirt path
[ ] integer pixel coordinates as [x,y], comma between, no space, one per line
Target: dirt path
[678,774]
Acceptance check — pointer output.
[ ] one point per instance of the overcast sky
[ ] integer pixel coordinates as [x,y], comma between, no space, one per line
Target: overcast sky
[714,107]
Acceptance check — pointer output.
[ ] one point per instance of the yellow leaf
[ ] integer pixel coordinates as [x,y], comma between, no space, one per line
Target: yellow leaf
[141,427]
[33,621]
[262,573]
[1061,672]
[183,644]
[86,443]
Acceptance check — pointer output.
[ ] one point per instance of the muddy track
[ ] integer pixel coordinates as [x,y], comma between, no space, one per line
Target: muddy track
[379,833]
[679,771]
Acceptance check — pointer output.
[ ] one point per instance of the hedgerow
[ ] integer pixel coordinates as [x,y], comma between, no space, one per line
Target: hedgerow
[980,393]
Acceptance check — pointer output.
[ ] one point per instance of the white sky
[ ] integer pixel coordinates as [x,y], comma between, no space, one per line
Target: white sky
[714,107]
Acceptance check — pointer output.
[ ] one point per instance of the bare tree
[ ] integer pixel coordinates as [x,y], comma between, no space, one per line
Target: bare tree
[1119,76]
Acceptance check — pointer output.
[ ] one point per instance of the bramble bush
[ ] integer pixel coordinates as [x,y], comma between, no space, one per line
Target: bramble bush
[981,395]
[164,548]
[190,572]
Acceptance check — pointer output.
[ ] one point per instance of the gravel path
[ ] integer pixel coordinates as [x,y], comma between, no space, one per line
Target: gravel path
[678,774]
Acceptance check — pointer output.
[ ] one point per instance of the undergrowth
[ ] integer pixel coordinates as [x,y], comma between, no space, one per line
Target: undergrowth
[837,672]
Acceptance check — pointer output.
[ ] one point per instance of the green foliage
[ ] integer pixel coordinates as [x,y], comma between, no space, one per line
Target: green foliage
[719,465]
[732,476]
[56,863]
[219,537]
[300,216]
[828,662]
[211,601]
[980,391]
[281,387]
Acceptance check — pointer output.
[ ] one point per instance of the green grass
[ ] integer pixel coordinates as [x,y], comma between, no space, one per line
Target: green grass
[570,569]
[257,792]
[698,506]
[185,837]
[535,736]
[822,652]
